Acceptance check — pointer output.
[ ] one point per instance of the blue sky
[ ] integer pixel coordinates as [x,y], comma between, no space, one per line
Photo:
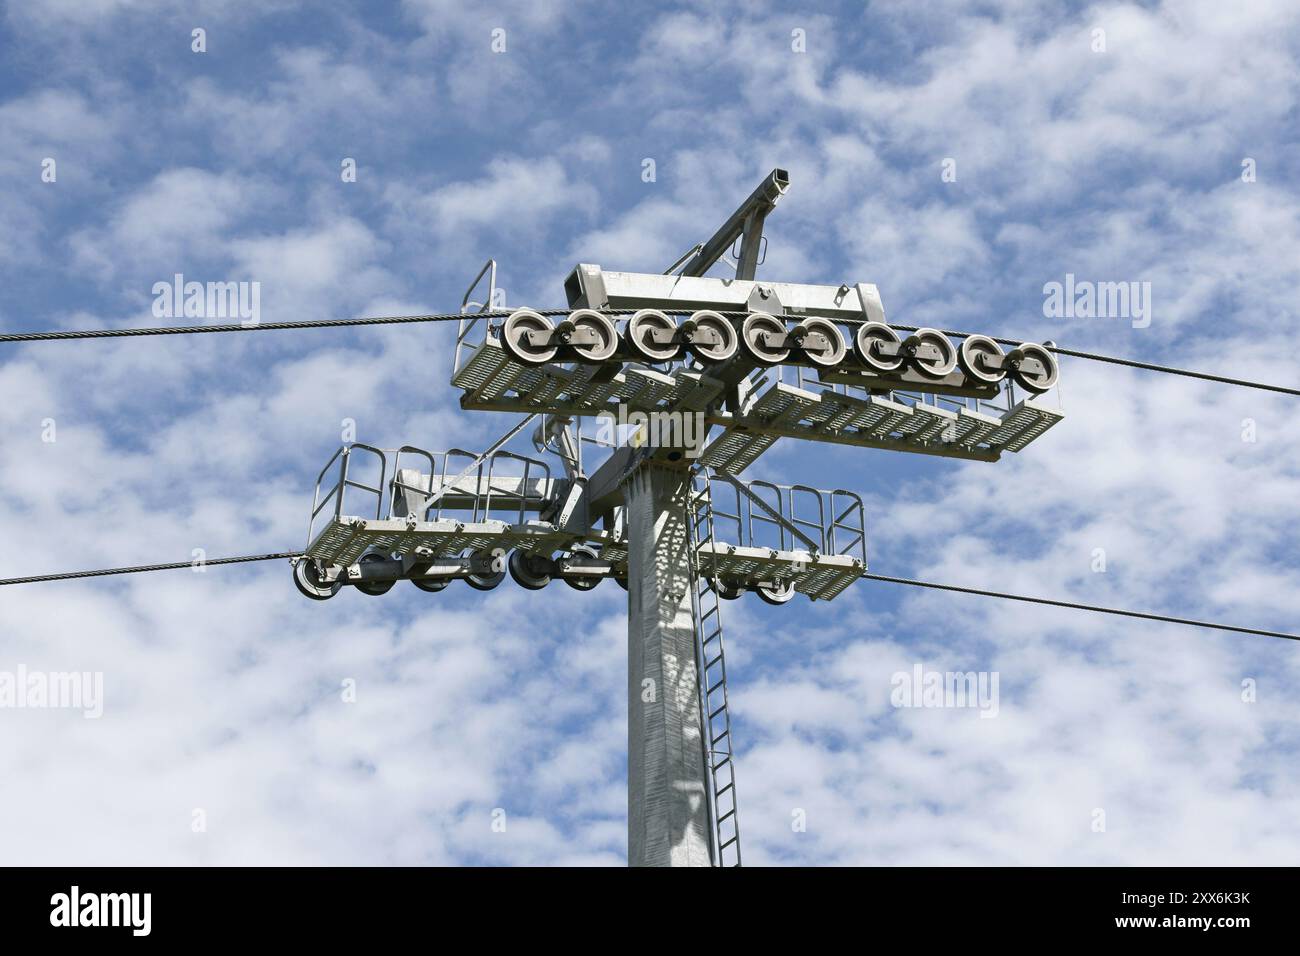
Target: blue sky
[222,688]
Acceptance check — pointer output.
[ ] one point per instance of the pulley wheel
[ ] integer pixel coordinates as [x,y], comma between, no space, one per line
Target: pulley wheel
[308,580]
[868,335]
[777,593]
[759,327]
[977,347]
[531,571]
[935,368]
[828,333]
[514,337]
[432,585]
[711,353]
[602,327]
[486,581]
[729,590]
[640,344]
[1036,382]
[584,582]
[374,588]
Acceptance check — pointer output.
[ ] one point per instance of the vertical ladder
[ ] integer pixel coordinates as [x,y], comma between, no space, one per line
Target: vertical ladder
[711,665]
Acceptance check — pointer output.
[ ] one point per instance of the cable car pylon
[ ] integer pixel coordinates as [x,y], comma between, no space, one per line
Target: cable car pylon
[652,394]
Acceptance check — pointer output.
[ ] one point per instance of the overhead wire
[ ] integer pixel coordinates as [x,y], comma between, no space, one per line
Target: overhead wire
[106,572]
[143,331]
[870,576]
[1079,606]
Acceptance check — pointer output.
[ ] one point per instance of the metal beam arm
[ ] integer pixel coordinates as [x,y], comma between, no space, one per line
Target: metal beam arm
[747,220]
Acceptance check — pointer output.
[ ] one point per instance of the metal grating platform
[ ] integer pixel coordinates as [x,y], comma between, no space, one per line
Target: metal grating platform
[735,450]
[492,380]
[1023,424]
[821,577]
[875,421]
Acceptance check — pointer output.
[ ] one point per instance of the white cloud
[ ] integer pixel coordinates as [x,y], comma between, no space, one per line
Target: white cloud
[222,687]
[178,217]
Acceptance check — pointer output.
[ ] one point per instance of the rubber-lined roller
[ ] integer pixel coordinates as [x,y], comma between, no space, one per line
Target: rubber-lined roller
[710,337]
[652,336]
[1033,367]
[867,344]
[930,352]
[981,358]
[587,336]
[822,343]
[762,337]
[584,335]
[517,334]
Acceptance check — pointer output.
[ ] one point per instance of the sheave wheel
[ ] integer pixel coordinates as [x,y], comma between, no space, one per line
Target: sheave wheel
[725,344]
[602,328]
[934,367]
[637,335]
[864,343]
[530,571]
[491,579]
[828,332]
[431,585]
[586,582]
[729,590]
[514,337]
[759,328]
[374,588]
[1036,382]
[309,582]
[778,594]
[974,349]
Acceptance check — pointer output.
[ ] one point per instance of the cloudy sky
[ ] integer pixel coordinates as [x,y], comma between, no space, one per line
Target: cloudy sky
[959,156]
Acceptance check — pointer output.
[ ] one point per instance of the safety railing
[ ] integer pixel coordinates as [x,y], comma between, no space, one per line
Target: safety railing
[506,499]
[499,484]
[844,535]
[764,514]
[473,330]
[490,490]
[399,503]
[337,493]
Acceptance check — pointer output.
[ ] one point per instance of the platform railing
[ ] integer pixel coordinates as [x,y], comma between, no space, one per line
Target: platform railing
[795,517]
[338,491]
[505,491]
[474,320]
[846,537]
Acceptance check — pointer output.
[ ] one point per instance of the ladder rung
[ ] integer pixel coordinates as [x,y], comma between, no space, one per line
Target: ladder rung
[706,585]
